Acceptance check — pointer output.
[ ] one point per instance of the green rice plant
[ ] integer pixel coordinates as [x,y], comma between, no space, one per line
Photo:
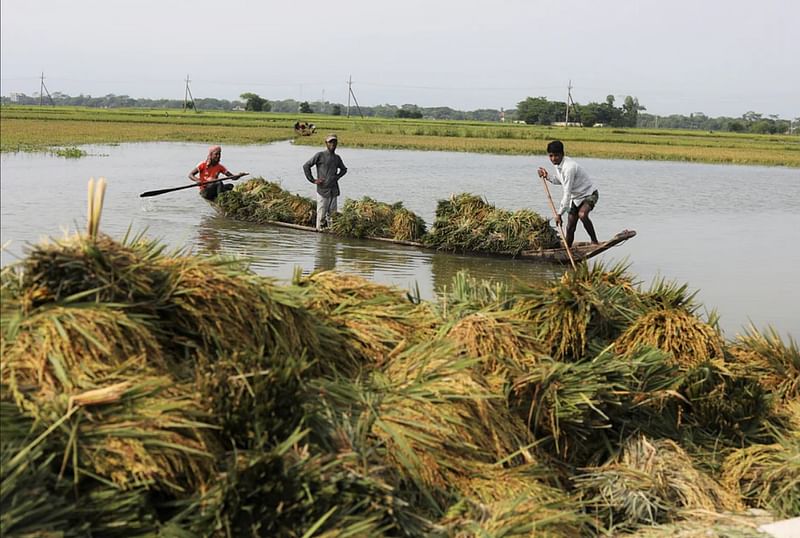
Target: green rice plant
[70,152]
[765,356]
[647,484]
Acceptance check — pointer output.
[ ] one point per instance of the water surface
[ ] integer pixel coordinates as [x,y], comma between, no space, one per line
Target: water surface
[730,232]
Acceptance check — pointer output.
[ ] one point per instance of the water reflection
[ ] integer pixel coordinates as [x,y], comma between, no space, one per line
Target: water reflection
[444,267]
[325,255]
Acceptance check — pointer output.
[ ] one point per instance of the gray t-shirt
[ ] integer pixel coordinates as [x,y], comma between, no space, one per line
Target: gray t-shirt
[330,167]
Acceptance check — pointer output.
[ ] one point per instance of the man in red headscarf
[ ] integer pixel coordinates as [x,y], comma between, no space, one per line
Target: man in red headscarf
[208,171]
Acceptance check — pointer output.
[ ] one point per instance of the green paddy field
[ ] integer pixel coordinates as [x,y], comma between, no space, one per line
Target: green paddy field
[26,128]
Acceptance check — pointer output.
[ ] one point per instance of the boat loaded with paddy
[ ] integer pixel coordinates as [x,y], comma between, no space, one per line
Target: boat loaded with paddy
[463,224]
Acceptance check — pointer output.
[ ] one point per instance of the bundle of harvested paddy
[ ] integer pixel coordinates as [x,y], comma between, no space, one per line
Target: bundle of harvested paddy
[768,475]
[261,201]
[466,295]
[514,502]
[291,490]
[466,222]
[91,269]
[728,407]
[590,303]
[427,414]
[688,340]
[494,337]
[579,410]
[648,483]
[370,319]
[370,218]
[217,306]
[255,399]
[764,356]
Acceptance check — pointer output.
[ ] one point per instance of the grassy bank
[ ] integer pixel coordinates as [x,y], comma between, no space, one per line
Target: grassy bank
[40,129]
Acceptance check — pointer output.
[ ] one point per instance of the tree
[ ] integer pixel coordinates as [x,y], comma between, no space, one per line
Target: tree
[630,111]
[337,110]
[538,110]
[255,103]
[305,108]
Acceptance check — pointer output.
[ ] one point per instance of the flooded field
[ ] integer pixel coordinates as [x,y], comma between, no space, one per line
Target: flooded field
[730,232]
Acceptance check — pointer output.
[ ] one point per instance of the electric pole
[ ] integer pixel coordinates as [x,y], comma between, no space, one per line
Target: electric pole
[188,97]
[42,91]
[572,103]
[569,98]
[351,94]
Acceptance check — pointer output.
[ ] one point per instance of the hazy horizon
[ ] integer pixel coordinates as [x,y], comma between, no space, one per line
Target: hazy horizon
[721,58]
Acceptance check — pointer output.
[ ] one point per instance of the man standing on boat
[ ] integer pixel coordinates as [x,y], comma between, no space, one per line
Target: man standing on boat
[330,170]
[209,170]
[580,195]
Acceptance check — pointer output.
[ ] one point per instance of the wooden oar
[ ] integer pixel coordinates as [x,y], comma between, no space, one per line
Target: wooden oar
[560,227]
[164,191]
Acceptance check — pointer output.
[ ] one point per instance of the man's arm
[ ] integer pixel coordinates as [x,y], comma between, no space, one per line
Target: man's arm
[307,168]
[342,169]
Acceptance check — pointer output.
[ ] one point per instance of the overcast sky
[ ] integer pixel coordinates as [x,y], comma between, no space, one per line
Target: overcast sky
[719,57]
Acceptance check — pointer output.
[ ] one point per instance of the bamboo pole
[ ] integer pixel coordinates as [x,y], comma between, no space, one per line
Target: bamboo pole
[560,227]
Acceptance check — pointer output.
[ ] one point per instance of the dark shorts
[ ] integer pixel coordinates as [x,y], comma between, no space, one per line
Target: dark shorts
[212,191]
[591,200]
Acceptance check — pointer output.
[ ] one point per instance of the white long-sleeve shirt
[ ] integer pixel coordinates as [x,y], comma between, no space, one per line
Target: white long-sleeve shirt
[576,182]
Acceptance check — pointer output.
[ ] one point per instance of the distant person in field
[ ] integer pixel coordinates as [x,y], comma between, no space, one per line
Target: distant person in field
[330,170]
[209,170]
[580,194]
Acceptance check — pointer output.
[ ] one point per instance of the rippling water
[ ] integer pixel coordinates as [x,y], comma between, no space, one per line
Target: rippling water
[730,232]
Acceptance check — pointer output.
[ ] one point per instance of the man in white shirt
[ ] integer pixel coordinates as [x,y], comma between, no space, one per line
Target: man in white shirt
[580,195]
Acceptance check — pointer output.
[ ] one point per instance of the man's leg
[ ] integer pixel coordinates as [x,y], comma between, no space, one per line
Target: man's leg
[572,224]
[332,208]
[583,215]
[321,210]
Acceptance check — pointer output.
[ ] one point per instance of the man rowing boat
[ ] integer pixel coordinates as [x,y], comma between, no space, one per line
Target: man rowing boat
[209,170]
[580,195]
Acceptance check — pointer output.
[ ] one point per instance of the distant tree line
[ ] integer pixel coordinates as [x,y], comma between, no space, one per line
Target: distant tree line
[533,110]
[540,111]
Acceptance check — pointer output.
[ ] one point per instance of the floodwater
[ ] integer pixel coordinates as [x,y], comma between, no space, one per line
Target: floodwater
[730,232]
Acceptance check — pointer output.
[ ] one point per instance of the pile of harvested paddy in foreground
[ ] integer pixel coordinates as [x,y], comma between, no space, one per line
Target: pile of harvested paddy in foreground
[145,392]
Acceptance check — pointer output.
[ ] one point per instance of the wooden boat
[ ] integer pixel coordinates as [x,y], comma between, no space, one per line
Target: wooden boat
[580,251]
